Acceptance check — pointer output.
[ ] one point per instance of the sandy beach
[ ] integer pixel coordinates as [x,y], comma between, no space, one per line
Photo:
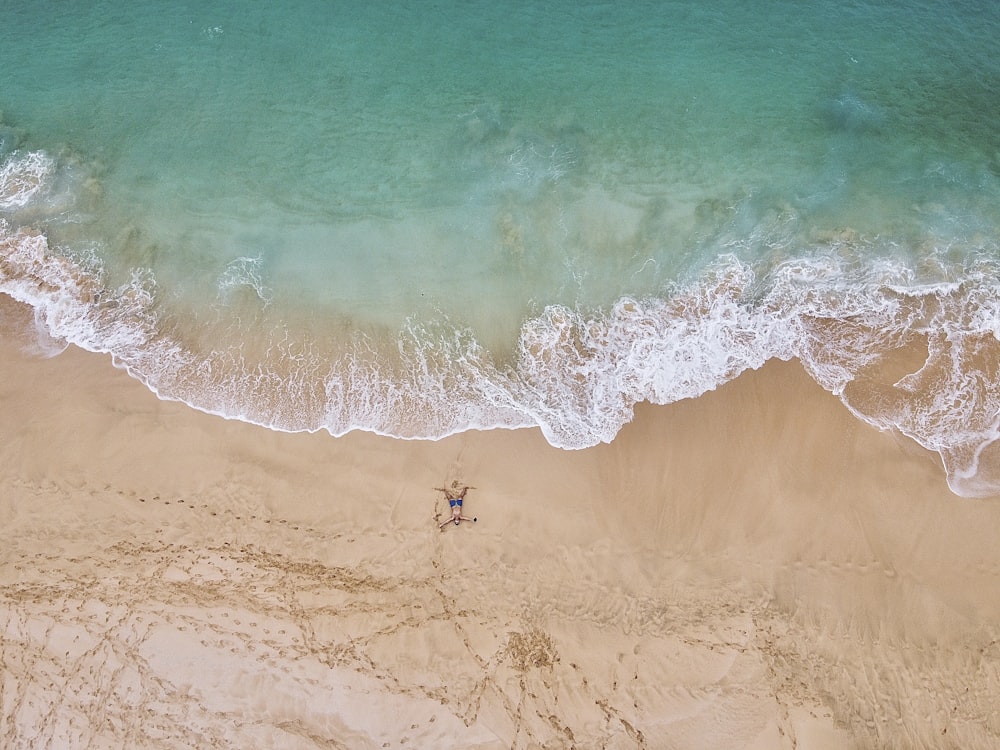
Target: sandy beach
[752,569]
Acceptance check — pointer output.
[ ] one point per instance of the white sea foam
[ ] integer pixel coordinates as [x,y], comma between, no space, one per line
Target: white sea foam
[244,272]
[23,178]
[576,374]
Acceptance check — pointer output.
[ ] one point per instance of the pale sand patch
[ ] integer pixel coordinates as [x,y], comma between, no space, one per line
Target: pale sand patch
[753,569]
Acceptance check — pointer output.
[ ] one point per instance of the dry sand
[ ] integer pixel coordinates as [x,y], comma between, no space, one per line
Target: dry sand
[752,569]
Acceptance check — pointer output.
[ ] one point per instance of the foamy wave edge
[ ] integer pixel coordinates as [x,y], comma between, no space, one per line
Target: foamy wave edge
[577,376]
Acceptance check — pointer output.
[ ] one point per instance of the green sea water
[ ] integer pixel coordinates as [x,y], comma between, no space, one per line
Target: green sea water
[421,218]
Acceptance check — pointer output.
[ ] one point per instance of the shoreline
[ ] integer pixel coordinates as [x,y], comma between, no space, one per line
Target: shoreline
[753,568]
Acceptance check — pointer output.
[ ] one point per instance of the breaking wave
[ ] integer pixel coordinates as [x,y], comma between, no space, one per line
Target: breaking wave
[908,347]
[23,177]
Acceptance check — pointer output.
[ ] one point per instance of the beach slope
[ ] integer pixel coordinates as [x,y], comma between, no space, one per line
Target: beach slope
[751,569]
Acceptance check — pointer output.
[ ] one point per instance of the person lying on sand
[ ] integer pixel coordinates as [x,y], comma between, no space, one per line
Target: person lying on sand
[455,497]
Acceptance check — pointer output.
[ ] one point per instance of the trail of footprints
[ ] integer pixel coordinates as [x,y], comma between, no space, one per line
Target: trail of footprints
[204,508]
[85,647]
[82,642]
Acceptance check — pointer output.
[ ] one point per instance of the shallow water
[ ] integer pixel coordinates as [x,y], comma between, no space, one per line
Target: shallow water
[419,220]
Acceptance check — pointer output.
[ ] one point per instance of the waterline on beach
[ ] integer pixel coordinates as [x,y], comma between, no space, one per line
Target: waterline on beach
[507,222]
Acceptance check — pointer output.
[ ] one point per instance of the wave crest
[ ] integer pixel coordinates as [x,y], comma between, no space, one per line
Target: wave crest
[23,178]
[907,349]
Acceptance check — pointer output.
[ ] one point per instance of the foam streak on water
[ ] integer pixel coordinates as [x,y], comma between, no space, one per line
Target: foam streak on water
[575,375]
[418,221]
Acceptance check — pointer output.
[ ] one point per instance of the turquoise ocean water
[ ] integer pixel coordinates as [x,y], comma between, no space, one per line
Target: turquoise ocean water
[423,218]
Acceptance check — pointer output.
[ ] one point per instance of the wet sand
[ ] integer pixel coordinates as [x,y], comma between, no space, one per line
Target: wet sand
[751,569]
